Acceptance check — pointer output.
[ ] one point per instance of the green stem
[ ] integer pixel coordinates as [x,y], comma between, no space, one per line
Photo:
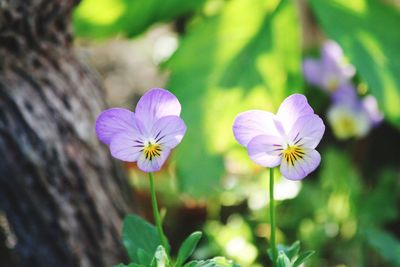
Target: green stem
[156,213]
[272,216]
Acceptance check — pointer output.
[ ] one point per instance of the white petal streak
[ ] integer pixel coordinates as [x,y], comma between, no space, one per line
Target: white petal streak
[126,146]
[252,123]
[301,167]
[265,150]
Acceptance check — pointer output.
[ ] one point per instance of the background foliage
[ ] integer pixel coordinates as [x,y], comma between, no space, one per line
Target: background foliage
[246,54]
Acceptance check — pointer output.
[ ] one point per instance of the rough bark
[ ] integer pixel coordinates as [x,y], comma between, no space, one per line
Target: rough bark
[60,190]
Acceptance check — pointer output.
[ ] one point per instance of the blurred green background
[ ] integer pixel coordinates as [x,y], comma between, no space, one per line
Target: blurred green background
[221,57]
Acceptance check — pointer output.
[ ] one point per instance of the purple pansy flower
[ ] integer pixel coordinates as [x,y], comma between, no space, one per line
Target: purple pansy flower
[288,138]
[349,120]
[146,136]
[345,94]
[330,71]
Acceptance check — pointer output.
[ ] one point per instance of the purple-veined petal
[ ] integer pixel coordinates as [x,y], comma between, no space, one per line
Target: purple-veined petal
[249,124]
[155,164]
[169,131]
[155,104]
[312,71]
[292,108]
[265,150]
[301,167]
[113,121]
[307,131]
[127,146]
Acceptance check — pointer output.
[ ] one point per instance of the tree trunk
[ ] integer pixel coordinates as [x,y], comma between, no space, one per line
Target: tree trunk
[61,192]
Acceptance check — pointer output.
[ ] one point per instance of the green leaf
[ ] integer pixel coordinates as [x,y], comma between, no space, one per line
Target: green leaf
[105,18]
[187,248]
[364,28]
[140,238]
[283,260]
[215,262]
[161,257]
[129,265]
[304,256]
[143,256]
[384,243]
[246,57]
[291,251]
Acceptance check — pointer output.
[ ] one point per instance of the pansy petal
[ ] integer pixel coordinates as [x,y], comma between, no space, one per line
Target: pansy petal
[300,168]
[307,131]
[292,108]
[312,71]
[331,51]
[112,121]
[252,123]
[127,146]
[155,104]
[169,131]
[265,150]
[155,164]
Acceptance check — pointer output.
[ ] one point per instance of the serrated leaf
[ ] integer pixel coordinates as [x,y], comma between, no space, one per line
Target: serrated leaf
[304,256]
[364,28]
[246,57]
[187,248]
[139,235]
[283,260]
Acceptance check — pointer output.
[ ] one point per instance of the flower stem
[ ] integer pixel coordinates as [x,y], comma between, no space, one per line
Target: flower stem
[156,213]
[272,217]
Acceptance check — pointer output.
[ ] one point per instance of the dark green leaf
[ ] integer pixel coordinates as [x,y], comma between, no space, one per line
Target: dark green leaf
[304,256]
[187,248]
[143,256]
[364,28]
[386,244]
[139,237]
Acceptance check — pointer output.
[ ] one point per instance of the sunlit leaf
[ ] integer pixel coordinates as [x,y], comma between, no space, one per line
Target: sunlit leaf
[106,18]
[247,57]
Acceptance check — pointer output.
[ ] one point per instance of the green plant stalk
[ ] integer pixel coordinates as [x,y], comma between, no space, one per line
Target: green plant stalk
[272,217]
[156,213]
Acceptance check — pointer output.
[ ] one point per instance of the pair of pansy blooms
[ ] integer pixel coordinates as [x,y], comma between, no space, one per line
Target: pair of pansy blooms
[148,135]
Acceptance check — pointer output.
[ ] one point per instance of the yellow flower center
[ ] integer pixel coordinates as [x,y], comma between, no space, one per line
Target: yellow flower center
[292,154]
[152,150]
